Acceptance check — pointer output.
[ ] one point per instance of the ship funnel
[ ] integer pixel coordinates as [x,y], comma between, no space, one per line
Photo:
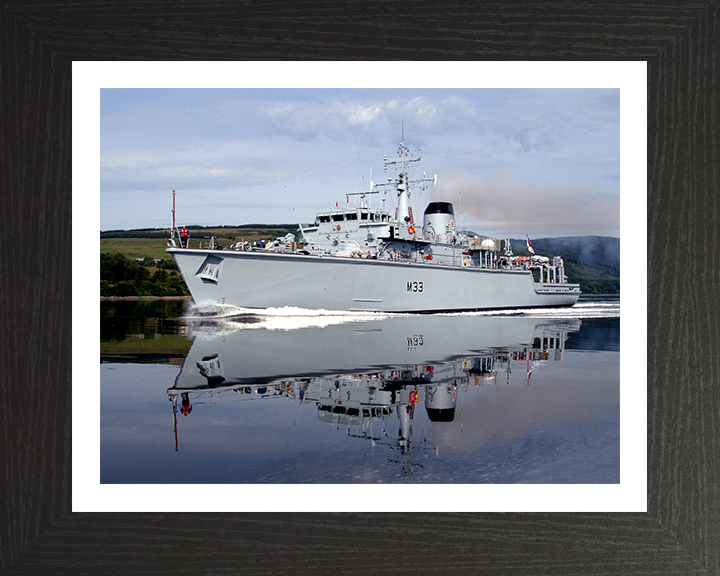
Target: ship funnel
[439,220]
[440,402]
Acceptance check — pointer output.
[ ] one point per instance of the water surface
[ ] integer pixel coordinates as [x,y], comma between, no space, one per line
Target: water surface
[292,396]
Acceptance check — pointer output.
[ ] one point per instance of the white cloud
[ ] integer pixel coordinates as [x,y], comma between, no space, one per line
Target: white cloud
[247,145]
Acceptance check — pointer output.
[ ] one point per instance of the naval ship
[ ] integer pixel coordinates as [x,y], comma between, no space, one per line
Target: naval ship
[370,259]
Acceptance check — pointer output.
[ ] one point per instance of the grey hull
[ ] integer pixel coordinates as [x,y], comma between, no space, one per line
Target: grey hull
[275,280]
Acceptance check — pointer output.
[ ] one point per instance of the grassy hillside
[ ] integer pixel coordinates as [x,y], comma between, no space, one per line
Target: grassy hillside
[135,247]
[151,243]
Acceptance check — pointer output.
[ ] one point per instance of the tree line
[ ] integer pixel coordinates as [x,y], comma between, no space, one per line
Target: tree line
[121,276]
[194,230]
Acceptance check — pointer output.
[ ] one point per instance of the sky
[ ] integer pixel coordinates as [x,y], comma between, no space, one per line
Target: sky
[542,162]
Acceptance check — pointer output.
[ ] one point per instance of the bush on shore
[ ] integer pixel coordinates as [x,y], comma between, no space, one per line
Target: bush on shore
[120,276]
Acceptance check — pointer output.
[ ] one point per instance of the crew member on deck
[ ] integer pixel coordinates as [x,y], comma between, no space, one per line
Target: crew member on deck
[184,237]
[186,406]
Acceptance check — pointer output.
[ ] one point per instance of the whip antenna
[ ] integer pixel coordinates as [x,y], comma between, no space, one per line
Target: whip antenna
[302,232]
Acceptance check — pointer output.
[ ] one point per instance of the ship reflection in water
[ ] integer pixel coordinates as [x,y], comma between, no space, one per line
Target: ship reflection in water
[435,399]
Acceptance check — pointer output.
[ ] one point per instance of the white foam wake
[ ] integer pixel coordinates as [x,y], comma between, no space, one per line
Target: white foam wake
[286,318]
[291,318]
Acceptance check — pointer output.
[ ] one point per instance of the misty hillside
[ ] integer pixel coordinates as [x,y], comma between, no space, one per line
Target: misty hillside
[591,261]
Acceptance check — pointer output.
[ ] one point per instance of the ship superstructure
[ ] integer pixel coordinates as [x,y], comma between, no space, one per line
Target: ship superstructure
[369,259]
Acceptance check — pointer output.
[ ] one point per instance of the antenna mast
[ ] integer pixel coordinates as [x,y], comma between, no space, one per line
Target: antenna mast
[403,183]
[302,232]
[460,223]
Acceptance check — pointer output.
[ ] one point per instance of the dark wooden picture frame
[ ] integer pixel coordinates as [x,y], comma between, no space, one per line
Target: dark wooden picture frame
[680,532]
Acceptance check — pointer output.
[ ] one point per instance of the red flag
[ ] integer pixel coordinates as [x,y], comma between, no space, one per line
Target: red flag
[529,246]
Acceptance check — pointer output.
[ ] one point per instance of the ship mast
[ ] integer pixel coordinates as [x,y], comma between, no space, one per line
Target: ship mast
[403,184]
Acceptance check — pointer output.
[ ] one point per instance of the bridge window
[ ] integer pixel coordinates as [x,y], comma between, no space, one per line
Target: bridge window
[324,218]
[351,216]
[337,217]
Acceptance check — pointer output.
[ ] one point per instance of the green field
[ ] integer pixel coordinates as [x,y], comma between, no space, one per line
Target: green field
[135,247]
[155,247]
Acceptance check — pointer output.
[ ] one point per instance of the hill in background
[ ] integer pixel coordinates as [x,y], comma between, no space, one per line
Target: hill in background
[227,232]
[151,242]
[591,261]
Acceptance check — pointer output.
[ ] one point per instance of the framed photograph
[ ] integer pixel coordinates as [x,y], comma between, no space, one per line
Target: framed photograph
[450,377]
[661,518]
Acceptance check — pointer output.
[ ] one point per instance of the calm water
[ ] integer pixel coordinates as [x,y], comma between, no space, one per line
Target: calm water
[304,397]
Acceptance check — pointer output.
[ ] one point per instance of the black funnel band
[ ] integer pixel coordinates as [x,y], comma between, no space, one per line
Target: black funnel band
[439,208]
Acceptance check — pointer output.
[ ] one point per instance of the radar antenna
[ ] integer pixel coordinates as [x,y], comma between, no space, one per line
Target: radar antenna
[402,182]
